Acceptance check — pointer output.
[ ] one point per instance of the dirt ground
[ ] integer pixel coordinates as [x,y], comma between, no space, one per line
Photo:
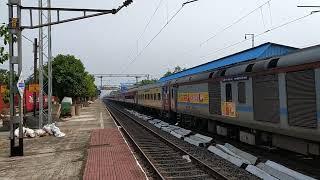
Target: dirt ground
[50,157]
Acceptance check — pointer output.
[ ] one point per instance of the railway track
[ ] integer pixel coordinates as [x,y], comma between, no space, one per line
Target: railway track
[168,160]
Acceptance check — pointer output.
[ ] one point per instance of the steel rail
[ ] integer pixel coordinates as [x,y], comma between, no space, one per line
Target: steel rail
[134,142]
[206,167]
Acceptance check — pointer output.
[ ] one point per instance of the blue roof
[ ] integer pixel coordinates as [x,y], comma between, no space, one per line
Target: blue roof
[262,51]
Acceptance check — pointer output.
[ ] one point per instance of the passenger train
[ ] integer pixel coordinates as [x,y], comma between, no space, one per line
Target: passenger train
[273,101]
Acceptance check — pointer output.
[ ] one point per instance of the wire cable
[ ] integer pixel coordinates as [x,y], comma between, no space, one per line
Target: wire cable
[147,25]
[264,24]
[27,38]
[234,23]
[270,13]
[144,30]
[226,28]
[149,43]
[259,35]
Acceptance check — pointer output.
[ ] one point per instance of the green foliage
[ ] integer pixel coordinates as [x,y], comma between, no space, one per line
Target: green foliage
[168,73]
[146,81]
[4,80]
[4,77]
[4,34]
[70,78]
[91,88]
[176,70]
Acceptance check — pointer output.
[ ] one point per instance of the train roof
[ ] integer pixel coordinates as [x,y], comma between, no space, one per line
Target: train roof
[262,51]
[148,86]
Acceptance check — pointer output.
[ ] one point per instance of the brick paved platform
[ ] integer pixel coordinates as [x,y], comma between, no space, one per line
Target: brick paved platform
[50,157]
[109,157]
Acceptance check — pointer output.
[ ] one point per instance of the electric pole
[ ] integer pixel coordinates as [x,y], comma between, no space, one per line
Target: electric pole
[101,82]
[15,58]
[35,81]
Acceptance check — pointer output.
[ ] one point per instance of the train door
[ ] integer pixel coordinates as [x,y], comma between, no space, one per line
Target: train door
[166,98]
[214,89]
[135,97]
[173,97]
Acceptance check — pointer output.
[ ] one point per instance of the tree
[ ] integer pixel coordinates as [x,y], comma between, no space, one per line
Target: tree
[146,81]
[4,81]
[4,34]
[68,75]
[70,78]
[176,70]
[91,88]
[168,73]
[4,77]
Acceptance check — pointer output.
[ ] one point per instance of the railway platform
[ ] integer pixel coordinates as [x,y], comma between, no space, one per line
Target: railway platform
[93,148]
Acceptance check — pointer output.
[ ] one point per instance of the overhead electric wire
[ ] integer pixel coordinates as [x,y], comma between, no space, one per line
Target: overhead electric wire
[227,27]
[264,24]
[154,37]
[234,23]
[270,13]
[257,36]
[147,25]
[145,28]
[27,38]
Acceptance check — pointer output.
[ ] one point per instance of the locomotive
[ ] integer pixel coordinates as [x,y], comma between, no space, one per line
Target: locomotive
[272,101]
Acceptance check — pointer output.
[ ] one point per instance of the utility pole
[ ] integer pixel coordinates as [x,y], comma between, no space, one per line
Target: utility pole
[101,82]
[41,111]
[35,81]
[15,58]
[252,38]
[49,65]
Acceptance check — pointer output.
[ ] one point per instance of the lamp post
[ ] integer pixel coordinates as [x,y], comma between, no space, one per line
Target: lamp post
[252,37]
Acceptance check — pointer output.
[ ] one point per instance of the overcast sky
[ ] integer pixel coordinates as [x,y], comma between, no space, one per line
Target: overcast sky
[107,44]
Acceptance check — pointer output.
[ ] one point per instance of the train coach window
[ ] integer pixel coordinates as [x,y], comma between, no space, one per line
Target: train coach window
[249,68]
[242,92]
[273,63]
[159,97]
[228,93]
[154,96]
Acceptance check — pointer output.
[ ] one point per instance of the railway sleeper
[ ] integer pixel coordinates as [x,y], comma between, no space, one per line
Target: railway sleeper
[163,155]
[177,175]
[160,151]
[179,168]
[171,161]
[170,164]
